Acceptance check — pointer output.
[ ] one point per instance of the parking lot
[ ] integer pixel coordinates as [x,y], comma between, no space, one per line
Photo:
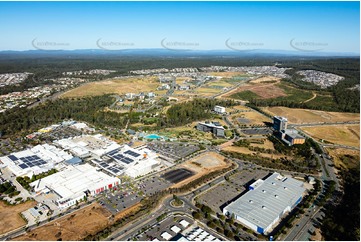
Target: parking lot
[152,185]
[224,193]
[257,131]
[117,201]
[61,132]
[173,150]
[8,146]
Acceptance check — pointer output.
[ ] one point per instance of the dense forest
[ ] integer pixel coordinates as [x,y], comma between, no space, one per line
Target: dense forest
[187,112]
[91,110]
[342,221]
[85,109]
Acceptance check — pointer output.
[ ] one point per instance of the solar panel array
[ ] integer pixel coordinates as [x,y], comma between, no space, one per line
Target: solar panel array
[111,167]
[122,158]
[28,161]
[132,153]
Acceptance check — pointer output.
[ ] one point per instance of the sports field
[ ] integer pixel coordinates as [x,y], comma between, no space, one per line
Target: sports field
[299,116]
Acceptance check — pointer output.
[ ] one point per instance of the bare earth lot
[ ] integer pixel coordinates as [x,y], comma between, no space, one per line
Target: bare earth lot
[119,86]
[202,165]
[299,116]
[265,79]
[244,150]
[10,218]
[75,226]
[343,134]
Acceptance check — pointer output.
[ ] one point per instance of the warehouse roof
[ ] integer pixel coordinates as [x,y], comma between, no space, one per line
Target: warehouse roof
[268,200]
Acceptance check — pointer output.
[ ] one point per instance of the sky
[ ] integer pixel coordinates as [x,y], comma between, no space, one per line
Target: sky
[300,26]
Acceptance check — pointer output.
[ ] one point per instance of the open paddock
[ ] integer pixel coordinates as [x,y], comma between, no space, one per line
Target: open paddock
[343,134]
[299,116]
[338,153]
[118,86]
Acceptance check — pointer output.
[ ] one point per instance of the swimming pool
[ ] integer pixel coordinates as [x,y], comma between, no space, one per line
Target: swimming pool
[153,136]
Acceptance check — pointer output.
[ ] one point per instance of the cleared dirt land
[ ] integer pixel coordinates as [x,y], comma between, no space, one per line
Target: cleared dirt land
[202,165]
[265,79]
[299,116]
[343,134]
[75,226]
[245,150]
[338,153]
[119,86]
[261,89]
[10,218]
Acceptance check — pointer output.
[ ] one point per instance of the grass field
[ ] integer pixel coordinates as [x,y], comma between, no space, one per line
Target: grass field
[245,95]
[253,117]
[298,116]
[10,215]
[219,83]
[118,86]
[265,79]
[343,134]
[226,74]
[338,155]
[207,91]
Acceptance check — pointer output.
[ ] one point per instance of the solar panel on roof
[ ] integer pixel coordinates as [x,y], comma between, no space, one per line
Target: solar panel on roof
[30,164]
[23,166]
[13,157]
[22,158]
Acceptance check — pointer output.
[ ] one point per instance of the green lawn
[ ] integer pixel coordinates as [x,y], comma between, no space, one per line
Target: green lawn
[245,95]
[294,94]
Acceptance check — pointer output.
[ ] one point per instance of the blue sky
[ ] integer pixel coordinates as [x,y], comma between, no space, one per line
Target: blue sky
[330,26]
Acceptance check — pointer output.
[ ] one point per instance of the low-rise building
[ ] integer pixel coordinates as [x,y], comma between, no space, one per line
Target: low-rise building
[213,127]
[266,202]
[220,109]
[36,160]
[74,183]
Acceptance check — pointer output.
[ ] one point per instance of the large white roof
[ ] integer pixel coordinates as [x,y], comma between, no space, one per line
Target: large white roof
[268,200]
[74,180]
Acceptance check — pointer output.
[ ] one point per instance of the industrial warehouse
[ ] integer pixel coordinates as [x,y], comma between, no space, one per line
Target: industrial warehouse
[74,183]
[266,202]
